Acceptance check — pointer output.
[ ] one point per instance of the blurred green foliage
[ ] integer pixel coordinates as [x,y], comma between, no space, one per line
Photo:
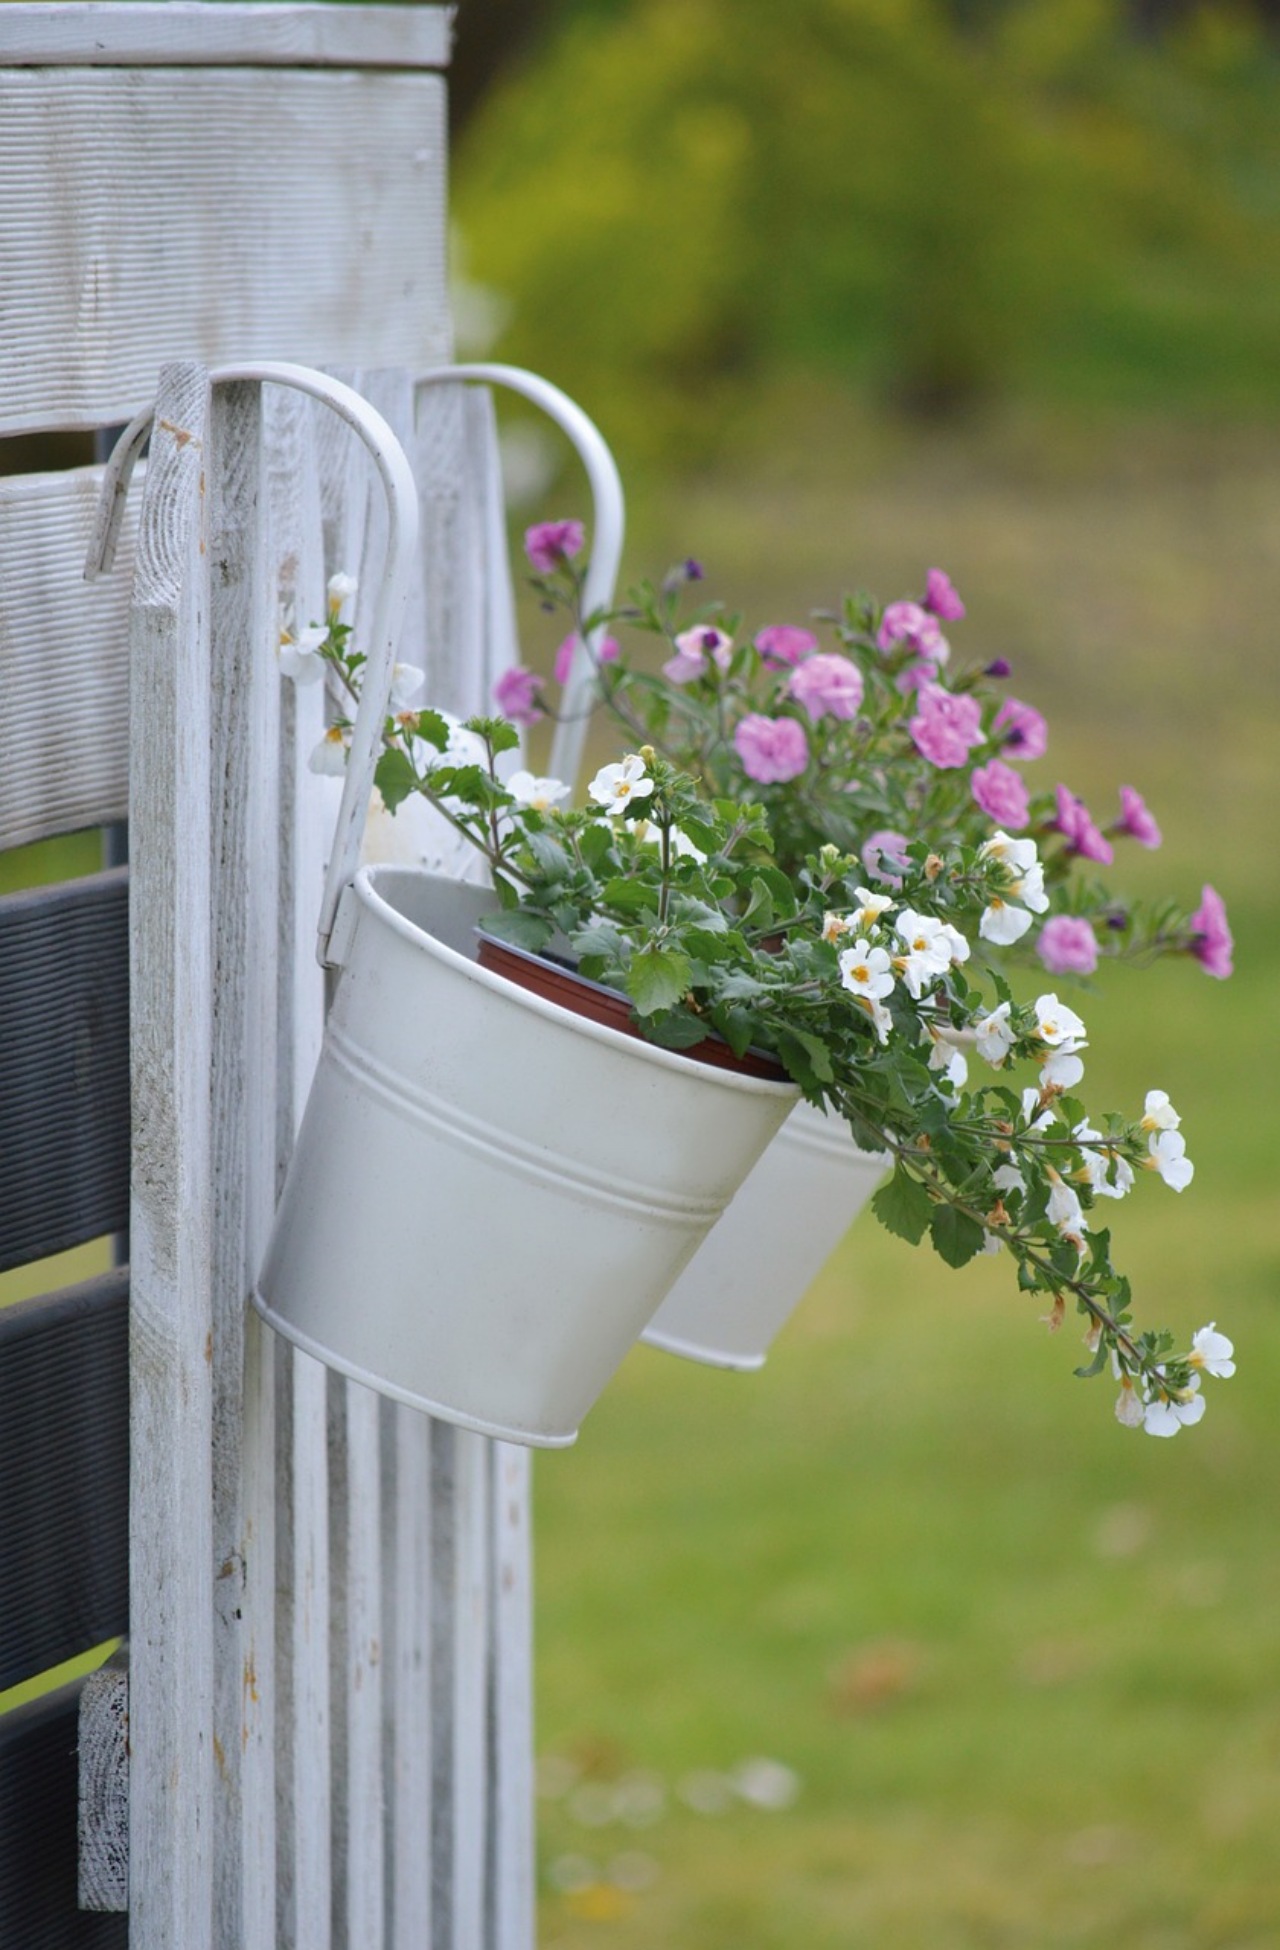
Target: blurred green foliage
[684,198]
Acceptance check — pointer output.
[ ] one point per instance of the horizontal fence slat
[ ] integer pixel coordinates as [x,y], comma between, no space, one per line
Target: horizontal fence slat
[64,661]
[139,224]
[64,1463]
[176,35]
[64,1065]
[39,1791]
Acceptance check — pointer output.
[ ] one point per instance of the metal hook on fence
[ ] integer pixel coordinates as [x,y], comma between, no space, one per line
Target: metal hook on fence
[608,524]
[390,603]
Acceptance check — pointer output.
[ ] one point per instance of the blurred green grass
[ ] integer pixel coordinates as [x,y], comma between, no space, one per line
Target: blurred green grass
[1023,1661]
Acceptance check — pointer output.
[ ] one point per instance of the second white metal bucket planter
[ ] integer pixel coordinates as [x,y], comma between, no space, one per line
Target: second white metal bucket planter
[489,1195]
[755,1267]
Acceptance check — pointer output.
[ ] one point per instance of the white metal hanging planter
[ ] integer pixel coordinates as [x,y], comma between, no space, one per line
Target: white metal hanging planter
[743,1284]
[489,1195]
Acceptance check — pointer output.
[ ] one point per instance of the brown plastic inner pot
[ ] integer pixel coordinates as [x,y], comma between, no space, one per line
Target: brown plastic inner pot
[556,982]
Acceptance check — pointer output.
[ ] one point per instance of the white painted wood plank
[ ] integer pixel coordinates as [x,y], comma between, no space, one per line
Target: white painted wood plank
[303,1707]
[183,33]
[139,222]
[245,900]
[64,661]
[171,1314]
[511,1704]
[461,1533]
[408,1700]
[365,1854]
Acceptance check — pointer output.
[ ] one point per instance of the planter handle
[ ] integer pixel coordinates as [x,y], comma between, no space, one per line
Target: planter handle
[606,538]
[389,606]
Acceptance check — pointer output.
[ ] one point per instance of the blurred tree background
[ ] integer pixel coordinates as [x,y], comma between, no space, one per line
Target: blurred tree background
[855,287]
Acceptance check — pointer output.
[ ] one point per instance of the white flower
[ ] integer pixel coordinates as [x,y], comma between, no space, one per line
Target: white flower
[1007,1178]
[1108,1174]
[1062,1067]
[1029,888]
[340,589]
[1130,1408]
[866,971]
[1037,1119]
[870,907]
[1064,1211]
[1165,1416]
[946,1057]
[541,794]
[880,1017]
[1002,923]
[1168,1156]
[928,951]
[329,757]
[834,925]
[615,786]
[406,679]
[1007,919]
[1055,1023]
[1212,1352]
[299,656]
[1158,1112]
[956,942]
[1016,855]
[649,834]
[994,1036]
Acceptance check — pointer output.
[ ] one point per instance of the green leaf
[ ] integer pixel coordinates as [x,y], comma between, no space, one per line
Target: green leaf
[956,1237]
[628,896]
[1097,1364]
[658,978]
[599,939]
[679,1030]
[548,853]
[433,729]
[395,778]
[903,1206]
[594,844]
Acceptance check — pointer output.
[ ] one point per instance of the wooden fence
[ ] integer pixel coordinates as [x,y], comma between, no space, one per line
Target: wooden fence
[324,1597]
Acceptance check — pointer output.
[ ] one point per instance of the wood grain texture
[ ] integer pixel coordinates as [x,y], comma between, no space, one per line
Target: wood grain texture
[172,1816]
[303,1711]
[244,889]
[39,1789]
[64,1065]
[141,222]
[64,661]
[185,33]
[64,1463]
[511,1826]
[103,1822]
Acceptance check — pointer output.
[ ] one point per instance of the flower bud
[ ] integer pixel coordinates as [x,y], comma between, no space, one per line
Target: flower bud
[648,754]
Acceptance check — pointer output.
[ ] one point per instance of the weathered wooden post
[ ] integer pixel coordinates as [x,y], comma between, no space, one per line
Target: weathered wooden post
[328,1673]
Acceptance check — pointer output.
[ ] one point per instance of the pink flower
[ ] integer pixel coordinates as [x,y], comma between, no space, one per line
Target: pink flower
[772,750]
[908,623]
[517,695]
[827,685]
[1211,942]
[946,727]
[882,846]
[1001,794]
[608,653]
[693,648]
[941,598]
[785,644]
[1135,819]
[1067,946]
[1026,735]
[548,544]
[1075,823]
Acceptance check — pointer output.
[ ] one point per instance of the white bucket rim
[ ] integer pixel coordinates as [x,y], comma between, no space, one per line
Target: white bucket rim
[365,887]
[328,1356]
